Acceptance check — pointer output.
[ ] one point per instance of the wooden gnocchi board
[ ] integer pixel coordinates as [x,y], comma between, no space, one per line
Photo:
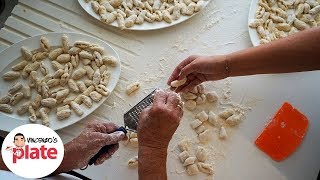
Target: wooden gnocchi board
[12,56]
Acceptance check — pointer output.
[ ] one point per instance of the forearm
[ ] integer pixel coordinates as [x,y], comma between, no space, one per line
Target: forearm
[295,53]
[152,163]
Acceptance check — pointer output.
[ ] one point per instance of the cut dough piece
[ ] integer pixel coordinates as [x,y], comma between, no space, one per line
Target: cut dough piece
[195,123]
[202,116]
[178,83]
[234,119]
[183,156]
[133,162]
[134,142]
[189,161]
[133,135]
[205,168]
[212,97]
[132,88]
[190,105]
[189,96]
[212,118]
[204,137]
[222,133]
[226,113]
[201,99]
[184,145]
[201,154]
[200,129]
[192,170]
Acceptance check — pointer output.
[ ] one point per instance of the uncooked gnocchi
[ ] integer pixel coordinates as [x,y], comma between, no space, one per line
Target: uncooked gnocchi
[132,87]
[133,162]
[178,83]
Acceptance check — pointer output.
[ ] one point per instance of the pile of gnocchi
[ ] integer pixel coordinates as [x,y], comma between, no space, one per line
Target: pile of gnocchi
[194,163]
[275,19]
[80,76]
[128,13]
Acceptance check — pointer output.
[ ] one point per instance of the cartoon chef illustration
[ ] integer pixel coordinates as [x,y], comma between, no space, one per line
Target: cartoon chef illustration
[19,142]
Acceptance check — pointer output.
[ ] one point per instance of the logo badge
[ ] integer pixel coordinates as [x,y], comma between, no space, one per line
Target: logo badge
[32,151]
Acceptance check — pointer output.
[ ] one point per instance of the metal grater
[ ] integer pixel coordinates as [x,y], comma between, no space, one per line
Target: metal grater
[131,118]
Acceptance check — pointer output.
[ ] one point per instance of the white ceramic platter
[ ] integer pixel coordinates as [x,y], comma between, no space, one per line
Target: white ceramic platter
[145,26]
[252,31]
[12,56]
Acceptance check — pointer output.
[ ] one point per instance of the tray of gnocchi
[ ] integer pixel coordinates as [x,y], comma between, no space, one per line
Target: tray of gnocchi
[55,79]
[142,14]
[270,20]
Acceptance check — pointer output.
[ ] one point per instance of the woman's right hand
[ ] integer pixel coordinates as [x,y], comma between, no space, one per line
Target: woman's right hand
[199,69]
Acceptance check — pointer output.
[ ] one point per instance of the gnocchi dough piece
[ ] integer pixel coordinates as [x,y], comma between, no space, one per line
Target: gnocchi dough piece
[103,68]
[212,118]
[226,113]
[6,108]
[222,133]
[23,108]
[62,94]
[183,156]
[300,25]
[315,10]
[63,114]
[89,90]
[95,6]
[81,44]
[184,145]
[189,161]
[76,107]
[63,107]
[15,99]
[201,99]
[109,17]
[134,142]
[192,169]
[277,19]
[74,51]
[16,87]
[133,162]
[110,60]
[32,116]
[55,53]
[43,112]
[205,168]
[129,22]
[167,18]
[73,86]
[86,55]
[102,90]
[36,102]
[255,23]
[200,129]
[68,100]
[58,74]
[89,71]
[81,86]
[63,58]
[26,53]
[178,83]
[190,105]
[141,16]
[95,96]
[39,56]
[53,82]
[19,66]
[65,43]
[98,58]
[5,99]
[201,154]
[283,27]
[212,96]
[204,137]
[202,116]
[49,102]
[132,88]
[96,77]
[200,89]
[11,75]
[195,123]
[79,73]
[56,65]
[188,96]
[86,100]
[44,44]
[234,119]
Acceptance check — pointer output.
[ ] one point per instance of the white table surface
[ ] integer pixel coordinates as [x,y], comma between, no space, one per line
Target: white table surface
[150,57]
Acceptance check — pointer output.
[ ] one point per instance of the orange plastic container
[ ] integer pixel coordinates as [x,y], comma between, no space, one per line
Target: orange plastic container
[284,133]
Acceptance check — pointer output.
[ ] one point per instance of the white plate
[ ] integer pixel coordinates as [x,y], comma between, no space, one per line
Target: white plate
[255,40]
[145,25]
[12,55]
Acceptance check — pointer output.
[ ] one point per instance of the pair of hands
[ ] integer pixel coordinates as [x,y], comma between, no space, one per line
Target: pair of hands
[157,123]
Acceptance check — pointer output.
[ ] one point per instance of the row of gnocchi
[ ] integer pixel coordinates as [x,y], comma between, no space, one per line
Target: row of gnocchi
[131,12]
[275,19]
[80,75]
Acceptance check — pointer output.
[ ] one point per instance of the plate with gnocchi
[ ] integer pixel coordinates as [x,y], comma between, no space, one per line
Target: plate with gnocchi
[55,79]
[142,14]
[270,20]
